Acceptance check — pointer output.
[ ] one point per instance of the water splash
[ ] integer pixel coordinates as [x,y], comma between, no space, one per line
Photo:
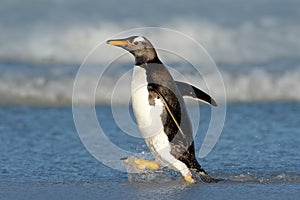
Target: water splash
[136,175]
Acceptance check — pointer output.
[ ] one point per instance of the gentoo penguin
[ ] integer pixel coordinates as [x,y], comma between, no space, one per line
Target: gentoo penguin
[160,111]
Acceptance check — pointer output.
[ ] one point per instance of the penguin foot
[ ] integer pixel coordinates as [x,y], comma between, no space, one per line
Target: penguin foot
[143,164]
[189,178]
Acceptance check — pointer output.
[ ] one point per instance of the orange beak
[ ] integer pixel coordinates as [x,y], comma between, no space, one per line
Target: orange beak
[120,43]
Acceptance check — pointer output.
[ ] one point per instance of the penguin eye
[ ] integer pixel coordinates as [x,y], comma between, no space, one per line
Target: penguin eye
[135,43]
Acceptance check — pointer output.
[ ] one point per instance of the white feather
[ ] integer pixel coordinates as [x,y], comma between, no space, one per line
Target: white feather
[148,118]
[138,39]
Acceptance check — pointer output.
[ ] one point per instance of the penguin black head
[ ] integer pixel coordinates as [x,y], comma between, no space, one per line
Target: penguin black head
[140,47]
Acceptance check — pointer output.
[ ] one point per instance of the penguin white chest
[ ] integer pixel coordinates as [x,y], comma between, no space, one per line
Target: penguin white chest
[149,121]
[148,116]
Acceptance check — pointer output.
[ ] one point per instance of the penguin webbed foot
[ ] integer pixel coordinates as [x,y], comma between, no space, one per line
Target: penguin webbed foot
[189,178]
[141,163]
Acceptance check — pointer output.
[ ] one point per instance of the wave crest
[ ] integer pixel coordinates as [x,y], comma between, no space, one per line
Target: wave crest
[255,86]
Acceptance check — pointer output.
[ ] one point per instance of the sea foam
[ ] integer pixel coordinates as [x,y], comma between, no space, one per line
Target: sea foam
[258,85]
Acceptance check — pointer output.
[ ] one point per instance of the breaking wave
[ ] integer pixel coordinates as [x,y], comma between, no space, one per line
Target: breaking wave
[59,33]
[265,40]
[257,85]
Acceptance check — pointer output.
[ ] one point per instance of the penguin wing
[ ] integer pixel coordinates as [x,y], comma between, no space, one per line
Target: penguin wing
[155,86]
[191,91]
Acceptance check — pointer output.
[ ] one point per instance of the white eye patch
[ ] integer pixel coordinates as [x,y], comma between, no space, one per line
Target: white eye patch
[138,39]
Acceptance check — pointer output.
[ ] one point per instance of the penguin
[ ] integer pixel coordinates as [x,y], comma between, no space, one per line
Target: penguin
[161,113]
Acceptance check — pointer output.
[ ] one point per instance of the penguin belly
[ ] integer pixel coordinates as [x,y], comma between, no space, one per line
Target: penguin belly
[148,118]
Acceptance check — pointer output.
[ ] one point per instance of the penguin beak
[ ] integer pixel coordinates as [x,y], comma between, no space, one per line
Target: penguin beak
[119,43]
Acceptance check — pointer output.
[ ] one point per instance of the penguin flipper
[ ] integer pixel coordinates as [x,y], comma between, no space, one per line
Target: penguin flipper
[191,91]
[168,108]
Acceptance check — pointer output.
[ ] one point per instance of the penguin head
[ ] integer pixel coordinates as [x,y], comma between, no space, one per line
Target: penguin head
[139,46]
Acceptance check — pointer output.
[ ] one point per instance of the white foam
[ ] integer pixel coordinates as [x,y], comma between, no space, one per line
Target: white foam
[47,34]
[255,86]
[264,40]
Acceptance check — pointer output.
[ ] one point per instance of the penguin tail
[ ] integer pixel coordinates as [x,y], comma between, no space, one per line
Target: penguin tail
[202,176]
[205,177]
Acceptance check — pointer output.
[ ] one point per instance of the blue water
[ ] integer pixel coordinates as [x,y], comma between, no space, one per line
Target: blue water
[257,154]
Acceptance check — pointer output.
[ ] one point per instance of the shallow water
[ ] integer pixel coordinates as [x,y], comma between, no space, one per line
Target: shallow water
[151,191]
[41,156]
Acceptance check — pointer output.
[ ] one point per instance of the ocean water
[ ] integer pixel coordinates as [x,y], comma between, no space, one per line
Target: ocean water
[43,157]
[248,56]
[255,46]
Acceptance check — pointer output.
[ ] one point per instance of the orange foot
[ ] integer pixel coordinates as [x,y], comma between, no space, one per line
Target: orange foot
[189,179]
[143,164]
